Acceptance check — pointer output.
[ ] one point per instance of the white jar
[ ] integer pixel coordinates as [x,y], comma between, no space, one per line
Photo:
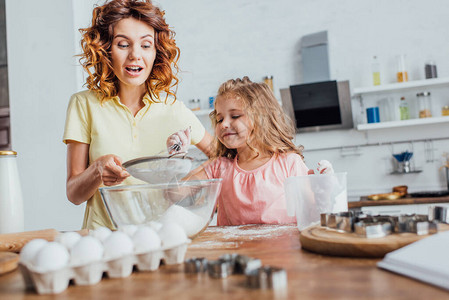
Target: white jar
[11,203]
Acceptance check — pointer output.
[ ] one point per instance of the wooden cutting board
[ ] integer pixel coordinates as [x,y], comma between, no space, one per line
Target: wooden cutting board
[13,242]
[331,242]
[8,262]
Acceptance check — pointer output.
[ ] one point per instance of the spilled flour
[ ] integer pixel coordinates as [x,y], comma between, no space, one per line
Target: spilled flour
[229,237]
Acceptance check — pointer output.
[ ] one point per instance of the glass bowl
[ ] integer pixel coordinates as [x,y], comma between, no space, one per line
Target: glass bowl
[191,204]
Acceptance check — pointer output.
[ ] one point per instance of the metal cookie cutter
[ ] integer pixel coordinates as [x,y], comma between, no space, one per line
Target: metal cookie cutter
[220,268]
[267,277]
[438,213]
[423,228]
[245,264]
[195,265]
[344,221]
[372,230]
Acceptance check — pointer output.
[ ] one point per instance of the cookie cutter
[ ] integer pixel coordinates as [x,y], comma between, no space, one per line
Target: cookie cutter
[426,227]
[195,265]
[222,267]
[373,229]
[438,213]
[267,277]
[245,264]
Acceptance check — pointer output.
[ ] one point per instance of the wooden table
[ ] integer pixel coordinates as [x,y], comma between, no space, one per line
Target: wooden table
[310,276]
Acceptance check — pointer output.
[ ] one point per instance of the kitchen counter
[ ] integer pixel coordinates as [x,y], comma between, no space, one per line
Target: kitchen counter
[310,276]
[401,201]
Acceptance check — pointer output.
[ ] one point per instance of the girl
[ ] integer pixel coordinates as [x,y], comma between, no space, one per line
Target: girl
[254,154]
[129,109]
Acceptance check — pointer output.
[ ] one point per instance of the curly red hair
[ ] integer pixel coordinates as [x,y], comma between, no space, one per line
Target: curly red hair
[97,40]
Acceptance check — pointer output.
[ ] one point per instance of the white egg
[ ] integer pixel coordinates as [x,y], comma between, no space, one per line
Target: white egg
[101,233]
[155,225]
[128,229]
[68,239]
[146,239]
[51,257]
[118,244]
[88,249]
[172,235]
[191,222]
[30,250]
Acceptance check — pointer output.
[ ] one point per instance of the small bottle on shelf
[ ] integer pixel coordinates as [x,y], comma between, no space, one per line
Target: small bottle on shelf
[375,68]
[402,74]
[404,110]
[445,110]
[430,69]
[424,104]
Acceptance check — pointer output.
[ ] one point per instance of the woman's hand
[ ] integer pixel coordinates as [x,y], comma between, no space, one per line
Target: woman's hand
[110,169]
[179,141]
[83,179]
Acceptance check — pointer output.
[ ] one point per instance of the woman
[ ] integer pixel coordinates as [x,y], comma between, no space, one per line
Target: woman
[129,109]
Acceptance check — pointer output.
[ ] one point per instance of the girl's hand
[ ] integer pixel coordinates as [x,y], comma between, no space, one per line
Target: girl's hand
[325,167]
[179,141]
[110,168]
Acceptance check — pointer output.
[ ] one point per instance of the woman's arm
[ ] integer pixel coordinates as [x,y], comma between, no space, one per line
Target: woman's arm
[206,144]
[83,180]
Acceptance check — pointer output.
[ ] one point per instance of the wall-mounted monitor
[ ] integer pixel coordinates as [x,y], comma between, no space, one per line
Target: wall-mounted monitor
[319,105]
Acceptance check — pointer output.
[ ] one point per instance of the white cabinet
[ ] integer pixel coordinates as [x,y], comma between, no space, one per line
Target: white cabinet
[369,96]
[391,210]
[394,210]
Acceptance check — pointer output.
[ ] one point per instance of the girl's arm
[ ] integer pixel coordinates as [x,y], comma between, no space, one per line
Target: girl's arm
[83,180]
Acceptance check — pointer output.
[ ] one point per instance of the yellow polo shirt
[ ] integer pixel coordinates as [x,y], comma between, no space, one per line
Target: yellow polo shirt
[111,128]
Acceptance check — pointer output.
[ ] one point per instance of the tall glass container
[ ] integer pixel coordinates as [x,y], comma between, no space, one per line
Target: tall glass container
[402,74]
[375,68]
[11,203]
[424,104]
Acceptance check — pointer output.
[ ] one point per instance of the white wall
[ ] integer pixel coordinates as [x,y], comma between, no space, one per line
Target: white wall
[221,40]
[227,39]
[41,79]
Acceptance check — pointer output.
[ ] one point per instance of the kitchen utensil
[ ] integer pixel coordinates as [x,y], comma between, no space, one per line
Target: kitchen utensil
[160,169]
[190,204]
[439,213]
[8,262]
[372,230]
[267,277]
[220,268]
[195,265]
[322,240]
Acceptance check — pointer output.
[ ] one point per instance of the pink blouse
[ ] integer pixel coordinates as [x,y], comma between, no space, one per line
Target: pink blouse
[256,196]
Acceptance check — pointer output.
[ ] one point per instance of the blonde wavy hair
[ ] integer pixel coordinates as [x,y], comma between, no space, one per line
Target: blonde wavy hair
[273,131]
[97,40]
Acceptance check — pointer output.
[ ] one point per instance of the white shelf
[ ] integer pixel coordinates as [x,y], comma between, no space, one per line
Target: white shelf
[399,86]
[202,112]
[403,123]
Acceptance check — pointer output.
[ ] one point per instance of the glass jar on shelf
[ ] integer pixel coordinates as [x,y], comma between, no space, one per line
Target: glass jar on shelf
[195,104]
[402,74]
[424,104]
[445,110]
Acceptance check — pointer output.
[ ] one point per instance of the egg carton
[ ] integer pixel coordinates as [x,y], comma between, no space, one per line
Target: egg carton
[53,282]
